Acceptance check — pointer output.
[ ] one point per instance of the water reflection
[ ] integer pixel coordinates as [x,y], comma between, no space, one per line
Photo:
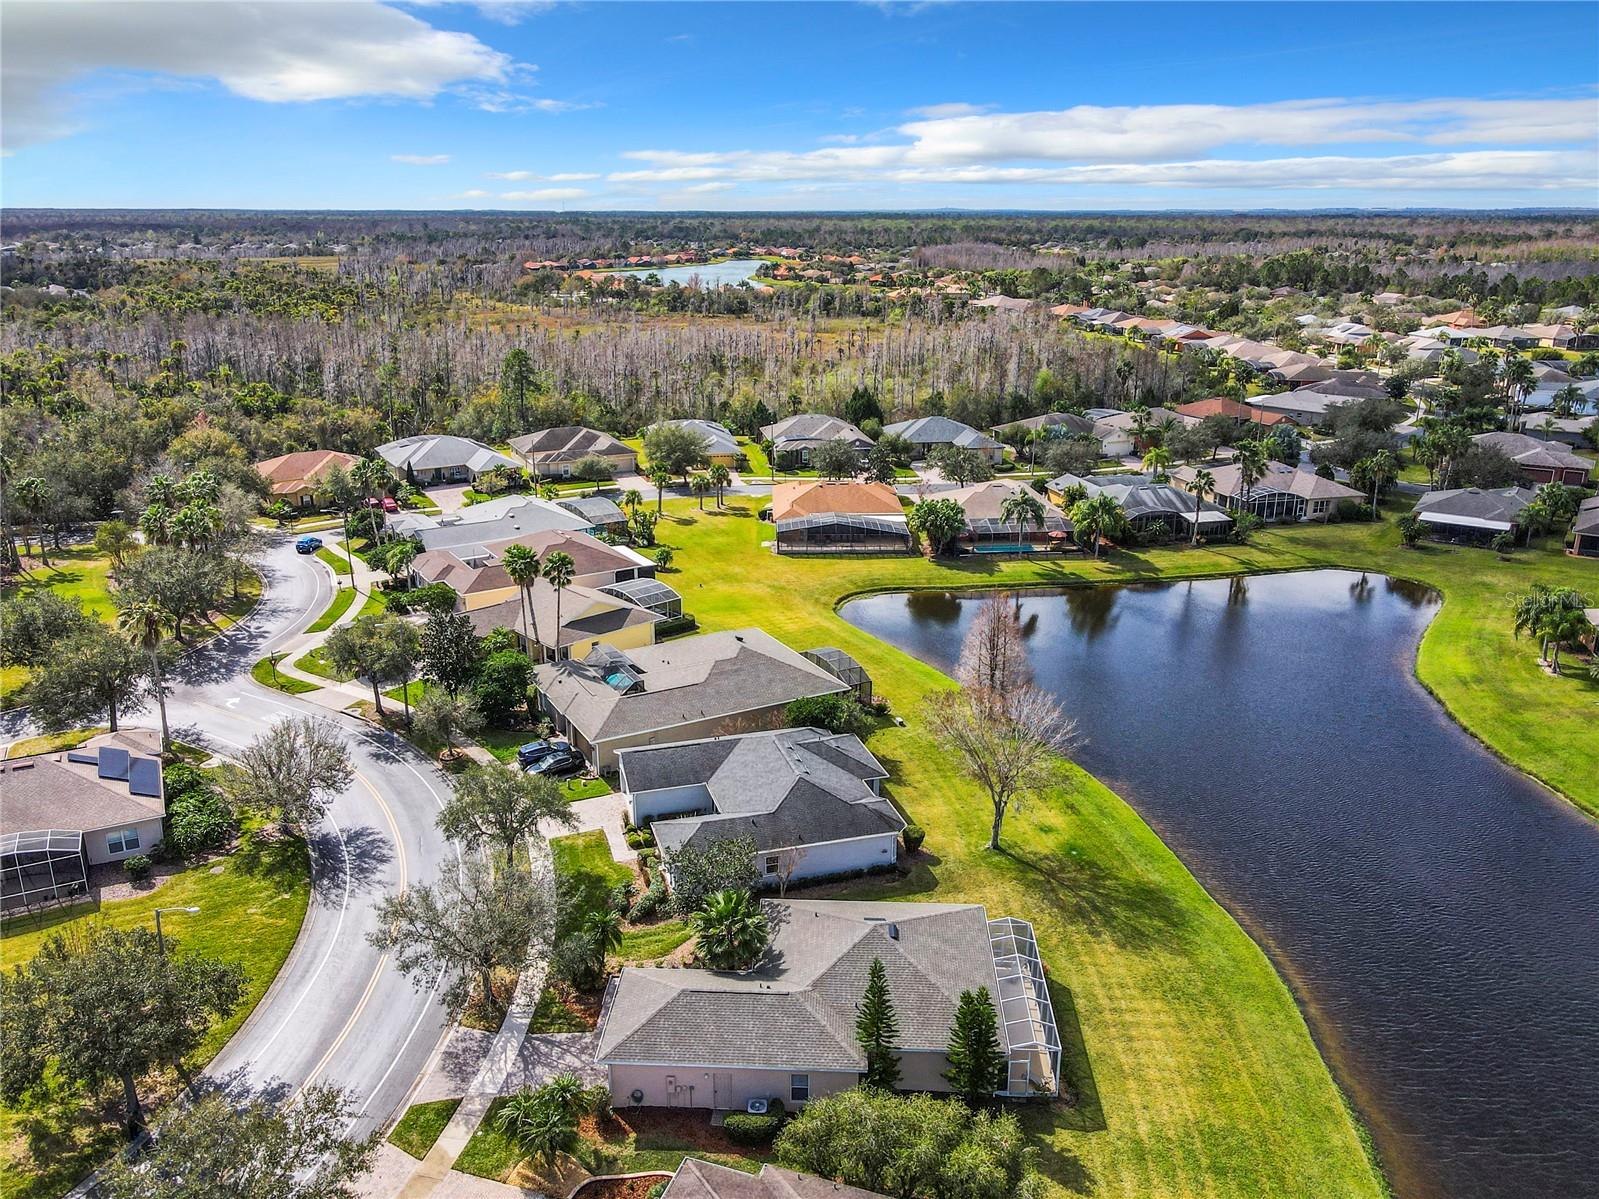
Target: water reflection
[1435,907]
[934,607]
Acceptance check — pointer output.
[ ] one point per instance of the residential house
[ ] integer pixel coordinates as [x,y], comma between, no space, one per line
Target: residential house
[721,447]
[987,531]
[1283,493]
[1585,529]
[1473,515]
[1568,430]
[72,809]
[832,517]
[1053,424]
[1564,337]
[552,453]
[1222,406]
[477,572]
[785,1029]
[794,438]
[505,519]
[1119,435]
[1507,337]
[1539,461]
[809,800]
[709,685]
[695,1179]
[1150,506]
[1012,305]
[429,459]
[1303,407]
[927,433]
[569,624]
[297,479]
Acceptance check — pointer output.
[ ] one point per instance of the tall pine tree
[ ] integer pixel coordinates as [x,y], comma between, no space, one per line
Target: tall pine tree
[977,1066]
[877,1030]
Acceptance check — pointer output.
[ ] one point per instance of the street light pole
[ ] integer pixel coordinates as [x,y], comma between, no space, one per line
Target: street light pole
[160,943]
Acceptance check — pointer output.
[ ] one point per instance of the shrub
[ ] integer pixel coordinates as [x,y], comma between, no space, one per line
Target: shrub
[659,1189]
[698,872]
[500,690]
[1350,510]
[650,902]
[435,597]
[621,900]
[663,557]
[198,819]
[591,468]
[746,1129]
[138,867]
[835,713]
[913,836]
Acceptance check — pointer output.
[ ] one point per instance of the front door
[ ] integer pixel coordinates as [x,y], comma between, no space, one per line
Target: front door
[722,1091]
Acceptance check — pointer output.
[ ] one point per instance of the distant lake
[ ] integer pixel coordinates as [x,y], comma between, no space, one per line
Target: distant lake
[709,274]
[1436,912]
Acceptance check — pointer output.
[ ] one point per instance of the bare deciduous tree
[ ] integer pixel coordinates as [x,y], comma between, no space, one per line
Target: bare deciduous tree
[1008,733]
[295,768]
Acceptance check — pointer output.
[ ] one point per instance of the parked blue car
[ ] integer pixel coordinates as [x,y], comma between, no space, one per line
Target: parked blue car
[308,544]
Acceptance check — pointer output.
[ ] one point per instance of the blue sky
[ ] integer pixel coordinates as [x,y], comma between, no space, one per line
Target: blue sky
[360,104]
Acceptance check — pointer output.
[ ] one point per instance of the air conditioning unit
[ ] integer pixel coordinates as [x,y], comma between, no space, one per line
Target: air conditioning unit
[756,1107]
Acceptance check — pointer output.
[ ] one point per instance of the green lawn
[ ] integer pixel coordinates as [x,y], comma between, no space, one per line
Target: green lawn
[342,599]
[653,941]
[264,673]
[416,1131]
[373,605]
[250,913]
[585,872]
[315,661]
[410,693]
[1197,1073]
[760,465]
[551,1015]
[337,560]
[490,1153]
[581,788]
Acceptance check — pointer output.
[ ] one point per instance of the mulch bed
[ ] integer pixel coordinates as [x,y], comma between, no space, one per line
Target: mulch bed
[584,1006]
[620,1188]
[687,1128]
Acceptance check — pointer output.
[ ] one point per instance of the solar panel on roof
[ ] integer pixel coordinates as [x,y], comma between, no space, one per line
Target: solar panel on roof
[113,763]
[83,757]
[144,777]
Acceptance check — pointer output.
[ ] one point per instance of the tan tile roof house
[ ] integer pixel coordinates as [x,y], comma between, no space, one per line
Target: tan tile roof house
[295,478]
[811,498]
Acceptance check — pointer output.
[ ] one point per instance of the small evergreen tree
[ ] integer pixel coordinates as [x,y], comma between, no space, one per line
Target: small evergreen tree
[977,1067]
[877,1030]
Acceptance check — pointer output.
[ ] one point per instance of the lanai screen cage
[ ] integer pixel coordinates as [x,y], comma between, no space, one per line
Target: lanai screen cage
[651,594]
[1032,1038]
[843,668]
[994,533]
[843,533]
[41,867]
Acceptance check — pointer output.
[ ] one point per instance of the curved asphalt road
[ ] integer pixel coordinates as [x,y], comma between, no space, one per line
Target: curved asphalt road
[338,1012]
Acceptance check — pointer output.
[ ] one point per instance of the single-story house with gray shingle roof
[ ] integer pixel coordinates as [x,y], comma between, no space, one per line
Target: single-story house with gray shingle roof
[1148,504]
[705,686]
[428,459]
[1585,529]
[1471,514]
[705,1180]
[785,1029]
[799,435]
[721,447]
[1058,424]
[809,799]
[927,433]
[1283,493]
[1539,461]
[554,452]
[506,519]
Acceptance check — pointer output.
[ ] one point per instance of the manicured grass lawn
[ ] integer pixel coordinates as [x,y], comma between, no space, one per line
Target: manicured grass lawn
[336,559]
[490,1153]
[342,599]
[653,941]
[415,689]
[315,661]
[250,913]
[371,606]
[551,1015]
[263,673]
[49,743]
[580,788]
[1196,1071]
[503,743]
[416,1131]
[585,872]
[760,465]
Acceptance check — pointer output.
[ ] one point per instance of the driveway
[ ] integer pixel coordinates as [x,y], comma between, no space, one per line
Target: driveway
[449,499]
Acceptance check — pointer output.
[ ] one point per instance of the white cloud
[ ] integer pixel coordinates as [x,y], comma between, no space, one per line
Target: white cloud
[315,50]
[531,176]
[546,195]
[938,112]
[705,189]
[471,193]
[420,160]
[1473,145]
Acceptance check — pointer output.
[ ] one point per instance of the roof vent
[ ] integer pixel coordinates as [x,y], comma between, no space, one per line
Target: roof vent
[893,932]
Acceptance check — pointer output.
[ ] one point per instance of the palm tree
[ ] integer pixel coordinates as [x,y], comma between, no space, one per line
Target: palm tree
[1022,508]
[732,929]
[544,1130]
[660,480]
[1100,517]
[145,623]
[720,477]
[522,565]
[1516,375]
[1158,462]
[1251,461]
[155,522]
[1533,607]
[1384,467]
[1558,502]
[602,935]
[699,484]
[631,500]
[372,476]
[30,494]
[1204,484]
[559,571]
[1560,626]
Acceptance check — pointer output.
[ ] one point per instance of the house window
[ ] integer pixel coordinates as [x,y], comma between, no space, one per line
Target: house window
[799,1088]
[770,865]
[122,841]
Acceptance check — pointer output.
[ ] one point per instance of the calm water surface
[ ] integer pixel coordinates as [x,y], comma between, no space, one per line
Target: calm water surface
[709,274]
[1436,912]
